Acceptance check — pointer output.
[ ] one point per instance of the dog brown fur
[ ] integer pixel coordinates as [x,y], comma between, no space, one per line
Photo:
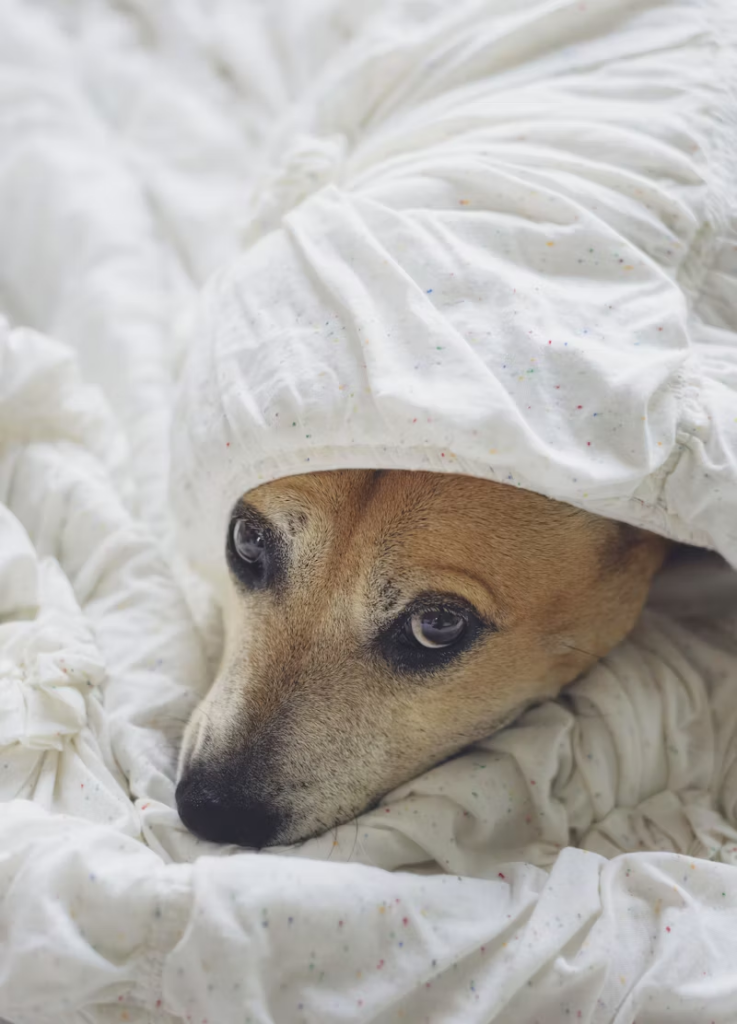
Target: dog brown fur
[310,719]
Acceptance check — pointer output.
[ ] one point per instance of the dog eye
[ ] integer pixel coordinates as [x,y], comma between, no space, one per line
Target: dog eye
[248,542]
[254,550]
[439,628]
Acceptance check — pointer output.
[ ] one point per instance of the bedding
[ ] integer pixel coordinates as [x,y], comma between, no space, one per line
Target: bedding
[242,240]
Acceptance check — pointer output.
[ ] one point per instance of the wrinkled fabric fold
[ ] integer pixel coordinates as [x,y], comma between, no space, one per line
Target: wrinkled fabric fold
[467,238]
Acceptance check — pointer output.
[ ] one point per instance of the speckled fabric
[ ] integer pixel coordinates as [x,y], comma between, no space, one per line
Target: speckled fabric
[491,246]
[482,237]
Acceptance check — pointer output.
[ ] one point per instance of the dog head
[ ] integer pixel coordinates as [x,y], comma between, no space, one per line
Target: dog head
[377,623]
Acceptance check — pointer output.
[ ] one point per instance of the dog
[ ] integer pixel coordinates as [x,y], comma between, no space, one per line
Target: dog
[376,623]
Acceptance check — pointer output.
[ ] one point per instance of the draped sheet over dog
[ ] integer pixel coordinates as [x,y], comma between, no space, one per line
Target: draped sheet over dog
[516,268]
[485,238]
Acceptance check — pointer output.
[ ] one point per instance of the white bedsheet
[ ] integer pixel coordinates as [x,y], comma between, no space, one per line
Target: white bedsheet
[127,141]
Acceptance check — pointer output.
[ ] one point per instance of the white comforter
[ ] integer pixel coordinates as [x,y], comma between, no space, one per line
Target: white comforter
[130,136]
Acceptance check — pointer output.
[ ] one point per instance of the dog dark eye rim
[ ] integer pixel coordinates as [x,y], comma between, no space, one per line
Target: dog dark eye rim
[253,551]
[439,628]
[434,629]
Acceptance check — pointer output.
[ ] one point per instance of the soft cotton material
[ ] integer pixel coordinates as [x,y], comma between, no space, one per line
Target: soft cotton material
[349,235]
[517,261]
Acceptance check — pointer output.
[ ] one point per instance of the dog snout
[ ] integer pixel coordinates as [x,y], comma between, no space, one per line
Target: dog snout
[222,810]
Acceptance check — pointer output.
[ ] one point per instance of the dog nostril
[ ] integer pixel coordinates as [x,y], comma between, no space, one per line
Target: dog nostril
[222,815]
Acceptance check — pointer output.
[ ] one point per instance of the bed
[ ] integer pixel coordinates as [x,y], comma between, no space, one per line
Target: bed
[250,239]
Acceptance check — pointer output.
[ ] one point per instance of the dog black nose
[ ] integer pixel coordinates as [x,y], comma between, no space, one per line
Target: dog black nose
[220,811]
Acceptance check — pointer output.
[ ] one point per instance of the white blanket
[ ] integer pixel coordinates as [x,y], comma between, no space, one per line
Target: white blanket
[458,163]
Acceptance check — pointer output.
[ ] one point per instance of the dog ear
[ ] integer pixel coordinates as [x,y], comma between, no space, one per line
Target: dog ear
[628,542]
